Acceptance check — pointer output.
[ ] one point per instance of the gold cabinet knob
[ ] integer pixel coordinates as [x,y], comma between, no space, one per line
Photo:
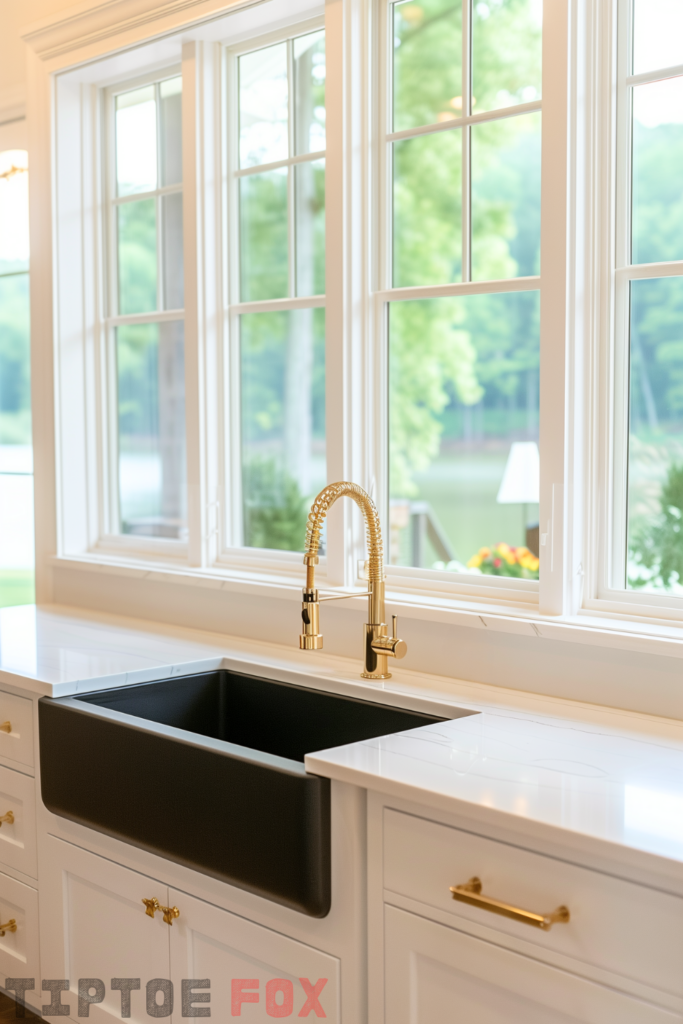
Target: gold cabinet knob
[151,905]
[11,926]
[169,914]
[9,818]
[5,726]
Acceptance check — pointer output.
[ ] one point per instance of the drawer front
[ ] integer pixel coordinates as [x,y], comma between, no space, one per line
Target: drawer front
[16,715]
[19,948]
[435,975]
[626,929]
[18,836]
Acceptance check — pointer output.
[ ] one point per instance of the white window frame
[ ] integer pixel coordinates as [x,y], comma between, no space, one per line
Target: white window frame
[609,381]
[356,299]
[398,577]
[111,537]
[231,552]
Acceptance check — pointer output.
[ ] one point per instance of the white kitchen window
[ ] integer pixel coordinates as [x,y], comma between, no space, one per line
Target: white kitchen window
[639,569]
[276,127]
[145,322]
[368,263]
[460,181]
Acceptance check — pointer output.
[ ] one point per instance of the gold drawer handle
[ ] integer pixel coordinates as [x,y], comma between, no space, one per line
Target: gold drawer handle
[153,905]
[5,726]
[11,926]
[9,818]
[470,893]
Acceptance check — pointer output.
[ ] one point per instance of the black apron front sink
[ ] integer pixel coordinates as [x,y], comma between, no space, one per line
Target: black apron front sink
[207,770]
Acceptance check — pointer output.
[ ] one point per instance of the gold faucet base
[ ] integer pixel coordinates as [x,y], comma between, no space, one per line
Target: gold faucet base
[375,675]
[308,642]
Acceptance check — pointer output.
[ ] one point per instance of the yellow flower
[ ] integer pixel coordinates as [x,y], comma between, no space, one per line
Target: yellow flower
[474,562]
[484,552]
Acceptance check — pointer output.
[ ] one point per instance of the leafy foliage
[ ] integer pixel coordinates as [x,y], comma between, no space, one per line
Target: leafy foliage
[657,545]
[275,511]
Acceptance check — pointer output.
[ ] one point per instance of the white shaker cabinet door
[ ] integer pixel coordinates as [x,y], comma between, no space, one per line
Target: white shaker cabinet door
[437,975]
[252,972]
[95,925]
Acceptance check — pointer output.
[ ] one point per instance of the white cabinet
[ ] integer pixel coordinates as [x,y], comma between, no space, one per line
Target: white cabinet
[19,945]
[254,972]
[18,817]
[94,925]
[438,975]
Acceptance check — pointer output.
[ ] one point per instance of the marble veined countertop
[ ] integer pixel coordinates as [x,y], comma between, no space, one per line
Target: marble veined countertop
[590,780]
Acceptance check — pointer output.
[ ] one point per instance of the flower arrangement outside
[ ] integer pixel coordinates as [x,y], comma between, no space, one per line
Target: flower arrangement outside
[503,560]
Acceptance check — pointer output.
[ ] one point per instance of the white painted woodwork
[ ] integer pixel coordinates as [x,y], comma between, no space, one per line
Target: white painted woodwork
[437,975]
[17,744]
[423,859]
[19,950]
[207,942]
[93,925]
[18,839]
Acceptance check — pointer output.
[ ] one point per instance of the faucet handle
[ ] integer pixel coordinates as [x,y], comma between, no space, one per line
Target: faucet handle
[390,645]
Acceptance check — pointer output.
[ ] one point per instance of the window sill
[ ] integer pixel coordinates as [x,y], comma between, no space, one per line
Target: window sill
[617,631]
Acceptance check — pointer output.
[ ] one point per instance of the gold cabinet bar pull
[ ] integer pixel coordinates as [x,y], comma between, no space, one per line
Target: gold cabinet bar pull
[5,726]
[471,894]
[151,905]
[169,913]
[10,926]
[9,818]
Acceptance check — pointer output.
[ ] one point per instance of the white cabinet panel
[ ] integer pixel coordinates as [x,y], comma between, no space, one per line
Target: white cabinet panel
[19,949]
[422,859]
[94,925]
[16,714]
[18,837]
[253,972]
[437,975]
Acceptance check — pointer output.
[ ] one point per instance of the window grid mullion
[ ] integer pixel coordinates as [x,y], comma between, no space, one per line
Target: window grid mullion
[291,174]
[465,160]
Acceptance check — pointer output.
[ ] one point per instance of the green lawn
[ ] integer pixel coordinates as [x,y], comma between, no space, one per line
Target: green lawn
[16,587]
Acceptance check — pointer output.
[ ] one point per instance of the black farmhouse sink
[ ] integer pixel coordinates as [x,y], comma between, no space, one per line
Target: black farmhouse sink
[208,771]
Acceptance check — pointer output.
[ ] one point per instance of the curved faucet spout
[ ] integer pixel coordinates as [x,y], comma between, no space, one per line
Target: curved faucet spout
[378,644]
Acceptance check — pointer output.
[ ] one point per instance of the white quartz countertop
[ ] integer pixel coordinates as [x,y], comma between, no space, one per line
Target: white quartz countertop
[599,780]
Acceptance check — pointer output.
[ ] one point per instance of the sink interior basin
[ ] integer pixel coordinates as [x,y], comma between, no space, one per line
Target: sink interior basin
[207,770]
[262,714]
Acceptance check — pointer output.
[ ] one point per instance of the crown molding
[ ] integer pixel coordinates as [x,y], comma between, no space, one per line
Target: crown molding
[89,29]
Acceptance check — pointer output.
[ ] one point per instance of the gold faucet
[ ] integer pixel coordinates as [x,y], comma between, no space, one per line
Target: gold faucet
[377,643]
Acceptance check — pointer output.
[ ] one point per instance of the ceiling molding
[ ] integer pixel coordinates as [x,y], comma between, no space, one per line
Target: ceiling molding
[86,25]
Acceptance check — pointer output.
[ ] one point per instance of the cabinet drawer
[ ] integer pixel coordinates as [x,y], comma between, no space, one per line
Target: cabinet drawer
[16,744]
[437,974]
[18,837]
[19,949]
[626,929]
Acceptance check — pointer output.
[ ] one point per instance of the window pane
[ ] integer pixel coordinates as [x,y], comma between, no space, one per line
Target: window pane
[309,76]
[463,427]
[427,245]
[263,90]
[151,421]
[264,257]
[170,103]
[172,234]
[655,458]
[136,141]
[657,35]
[310,228]
[15,362]
[506,53]
[137,242]
[506,198]
[13,211]
[657,219]
[427,62]
[283,424]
